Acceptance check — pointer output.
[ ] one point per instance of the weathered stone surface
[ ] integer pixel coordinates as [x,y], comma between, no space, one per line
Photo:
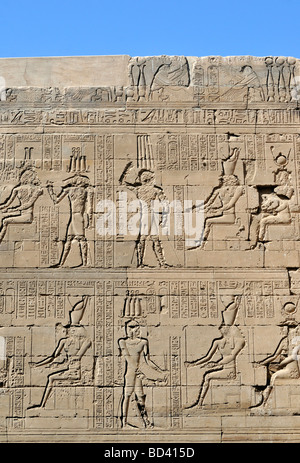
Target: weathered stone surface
[149,242]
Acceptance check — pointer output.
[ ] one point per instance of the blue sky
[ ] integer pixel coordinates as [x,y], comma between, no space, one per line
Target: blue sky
[191,28]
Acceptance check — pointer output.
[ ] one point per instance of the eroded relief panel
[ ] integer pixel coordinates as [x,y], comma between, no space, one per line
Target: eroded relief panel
[149,234]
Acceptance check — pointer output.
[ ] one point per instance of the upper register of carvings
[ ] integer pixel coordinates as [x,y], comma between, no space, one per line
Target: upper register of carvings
[211,79]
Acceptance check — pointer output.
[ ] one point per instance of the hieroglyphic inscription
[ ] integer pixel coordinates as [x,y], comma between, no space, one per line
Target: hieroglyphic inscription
[175,354]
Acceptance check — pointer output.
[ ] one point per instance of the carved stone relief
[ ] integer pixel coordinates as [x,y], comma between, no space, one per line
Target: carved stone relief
[149,234]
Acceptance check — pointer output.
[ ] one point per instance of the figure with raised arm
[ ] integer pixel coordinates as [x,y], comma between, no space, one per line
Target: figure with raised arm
[147,193]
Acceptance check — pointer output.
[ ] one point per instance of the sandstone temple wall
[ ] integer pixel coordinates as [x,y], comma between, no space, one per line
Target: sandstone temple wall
[149,245]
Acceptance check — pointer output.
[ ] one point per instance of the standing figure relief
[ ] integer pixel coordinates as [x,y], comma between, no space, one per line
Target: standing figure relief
[147,192]
[79,192]
[139,366]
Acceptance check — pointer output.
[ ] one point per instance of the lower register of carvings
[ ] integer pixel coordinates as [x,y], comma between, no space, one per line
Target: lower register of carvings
[149,235]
